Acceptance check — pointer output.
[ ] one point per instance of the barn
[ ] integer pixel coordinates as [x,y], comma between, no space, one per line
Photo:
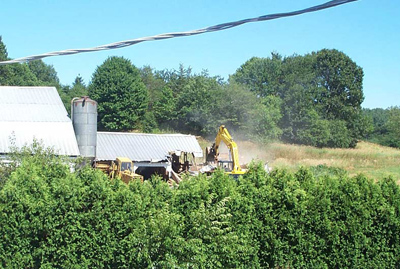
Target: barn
[37,113]
[150,153]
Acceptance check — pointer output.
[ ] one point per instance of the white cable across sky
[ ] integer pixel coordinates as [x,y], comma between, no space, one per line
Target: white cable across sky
[214,28]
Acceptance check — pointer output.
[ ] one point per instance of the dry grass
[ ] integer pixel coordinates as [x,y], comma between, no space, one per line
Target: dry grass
[370,159]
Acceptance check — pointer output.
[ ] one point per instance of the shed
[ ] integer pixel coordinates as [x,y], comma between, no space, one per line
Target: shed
[146,150]
[28,113]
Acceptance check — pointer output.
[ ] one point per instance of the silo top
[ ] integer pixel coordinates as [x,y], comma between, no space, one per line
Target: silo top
[84,101]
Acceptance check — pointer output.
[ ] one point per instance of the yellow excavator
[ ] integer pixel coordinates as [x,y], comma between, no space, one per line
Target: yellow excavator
[122,167]
[231,167]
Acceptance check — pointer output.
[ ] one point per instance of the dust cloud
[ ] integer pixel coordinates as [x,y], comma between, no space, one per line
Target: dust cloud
[248,151]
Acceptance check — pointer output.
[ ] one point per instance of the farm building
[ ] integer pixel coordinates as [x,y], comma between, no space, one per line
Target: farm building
[150,153]
[28,113]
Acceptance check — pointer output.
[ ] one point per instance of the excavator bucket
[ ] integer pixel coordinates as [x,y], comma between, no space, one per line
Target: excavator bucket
[211,154]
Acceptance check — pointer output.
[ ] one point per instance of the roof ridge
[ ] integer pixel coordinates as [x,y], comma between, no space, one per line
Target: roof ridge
[147,134]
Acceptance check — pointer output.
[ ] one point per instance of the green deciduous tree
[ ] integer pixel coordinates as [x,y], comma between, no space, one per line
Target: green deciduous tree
[194,104]
[199,104]
[262,75]
[340,82]
[385,126]
[264,123]
[164,107]
[315,89]
[340,91]
[393,126]
[311,129]
[45,74]
[121,95]
[245,114]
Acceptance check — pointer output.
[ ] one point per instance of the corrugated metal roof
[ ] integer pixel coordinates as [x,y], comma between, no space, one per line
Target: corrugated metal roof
[144,147]
[29,95]
[59,135]
[32,113]
[31,104]
[35,112]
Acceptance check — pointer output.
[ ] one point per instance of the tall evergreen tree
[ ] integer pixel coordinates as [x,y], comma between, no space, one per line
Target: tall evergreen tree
[120,93]
[3,50]
[14,74]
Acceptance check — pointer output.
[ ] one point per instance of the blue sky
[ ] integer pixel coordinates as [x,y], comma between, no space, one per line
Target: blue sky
[367,31]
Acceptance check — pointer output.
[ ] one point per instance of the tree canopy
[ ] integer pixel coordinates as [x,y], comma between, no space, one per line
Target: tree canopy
[200,103]
[386,122]
[45,74]
[321,95]
[312,99]
[35,73]
[120,93]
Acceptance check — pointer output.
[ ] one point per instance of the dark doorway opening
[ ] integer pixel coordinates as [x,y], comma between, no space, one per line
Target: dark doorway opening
[147,172]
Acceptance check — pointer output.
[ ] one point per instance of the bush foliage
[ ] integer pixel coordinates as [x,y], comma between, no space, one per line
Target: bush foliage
[319,217]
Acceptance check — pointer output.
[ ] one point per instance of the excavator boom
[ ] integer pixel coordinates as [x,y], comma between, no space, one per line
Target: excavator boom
[213,152]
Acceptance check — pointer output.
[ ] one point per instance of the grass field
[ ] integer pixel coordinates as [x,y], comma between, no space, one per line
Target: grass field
[369,159]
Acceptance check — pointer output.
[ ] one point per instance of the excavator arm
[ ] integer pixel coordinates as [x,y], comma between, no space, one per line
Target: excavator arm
[213,152]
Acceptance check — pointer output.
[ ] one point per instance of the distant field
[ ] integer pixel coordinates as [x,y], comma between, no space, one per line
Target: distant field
[369,159]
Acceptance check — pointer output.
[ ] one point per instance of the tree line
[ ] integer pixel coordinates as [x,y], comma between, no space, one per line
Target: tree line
[386,126]
[312,99]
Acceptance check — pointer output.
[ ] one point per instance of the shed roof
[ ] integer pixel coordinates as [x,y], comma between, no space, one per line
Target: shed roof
[144,147]
[28,113]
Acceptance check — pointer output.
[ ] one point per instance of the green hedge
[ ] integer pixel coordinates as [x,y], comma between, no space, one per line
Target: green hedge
[315,218]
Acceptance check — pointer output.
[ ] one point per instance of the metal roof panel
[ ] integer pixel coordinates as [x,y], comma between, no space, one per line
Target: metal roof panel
[144,147]
[31,104]
[58,135]
[28,113]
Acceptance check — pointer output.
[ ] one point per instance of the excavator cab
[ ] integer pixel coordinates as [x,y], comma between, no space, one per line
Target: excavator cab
[227,166]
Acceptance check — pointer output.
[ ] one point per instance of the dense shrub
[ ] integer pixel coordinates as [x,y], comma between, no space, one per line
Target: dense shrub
[318,217]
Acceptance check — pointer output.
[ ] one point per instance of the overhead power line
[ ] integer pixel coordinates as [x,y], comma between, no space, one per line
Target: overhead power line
[214,28]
